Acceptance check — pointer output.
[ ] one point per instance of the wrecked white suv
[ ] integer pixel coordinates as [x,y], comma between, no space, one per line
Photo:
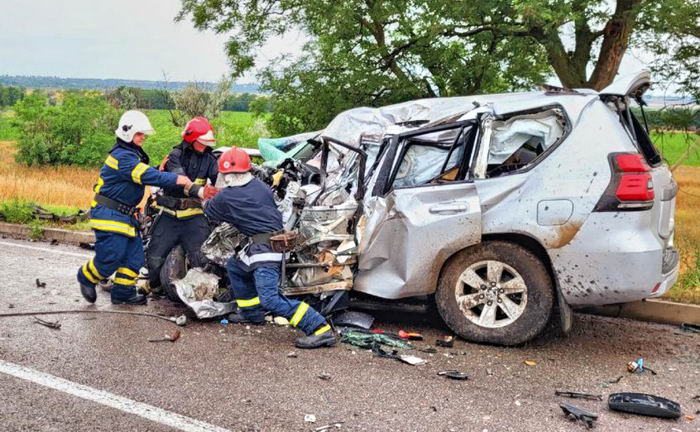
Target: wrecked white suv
[501,206]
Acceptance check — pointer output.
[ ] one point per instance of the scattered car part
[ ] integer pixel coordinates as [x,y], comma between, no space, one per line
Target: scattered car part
[445,341]
[324,376]
[411,359]
[688,327]
[530,363]
[50,324]
[354,319]
[637,366]
[575,413]
[410,335]
[336,425]
[179,320]
[87,246]
[369,340]
[644,404]
[40,284]
[310,418]
[428,350]
[292,355]
[168,338]
[454,374]
[575,395]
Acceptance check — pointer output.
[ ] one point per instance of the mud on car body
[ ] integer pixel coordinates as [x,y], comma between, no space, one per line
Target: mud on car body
[501,206]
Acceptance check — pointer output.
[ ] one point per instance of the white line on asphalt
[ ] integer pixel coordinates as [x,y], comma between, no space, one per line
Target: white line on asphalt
[149,412]
[46,250]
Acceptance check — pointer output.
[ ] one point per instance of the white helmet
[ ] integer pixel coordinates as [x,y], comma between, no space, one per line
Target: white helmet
[132,122]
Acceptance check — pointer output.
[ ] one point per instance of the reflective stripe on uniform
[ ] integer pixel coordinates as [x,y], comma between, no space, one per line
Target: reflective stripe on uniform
[93,269]
[113,226]
[127,271]
[112,162]
[123,281]
[98,186]
[181,213]
[322,329]
[248,303]
[299,314]
[200,181]
[261,257]
[138,171]
[88,274]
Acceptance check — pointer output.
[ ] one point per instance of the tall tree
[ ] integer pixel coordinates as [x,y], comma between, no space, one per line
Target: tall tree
[380,51]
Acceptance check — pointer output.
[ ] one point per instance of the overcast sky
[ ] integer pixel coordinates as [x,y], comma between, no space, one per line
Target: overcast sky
[130,39]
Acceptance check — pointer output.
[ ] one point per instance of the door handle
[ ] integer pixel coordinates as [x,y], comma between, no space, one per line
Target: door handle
[449,208]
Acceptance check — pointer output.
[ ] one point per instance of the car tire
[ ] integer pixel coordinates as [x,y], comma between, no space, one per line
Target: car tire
[174,268]
[494,308]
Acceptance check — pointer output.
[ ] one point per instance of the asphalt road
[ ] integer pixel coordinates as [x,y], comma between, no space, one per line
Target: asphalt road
[104,375]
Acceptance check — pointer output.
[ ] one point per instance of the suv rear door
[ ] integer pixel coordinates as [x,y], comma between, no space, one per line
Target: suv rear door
[425,208]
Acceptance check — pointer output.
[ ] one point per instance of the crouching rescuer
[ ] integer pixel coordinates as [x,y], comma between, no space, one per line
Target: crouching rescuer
[181,219]
[248,204]
[118,245]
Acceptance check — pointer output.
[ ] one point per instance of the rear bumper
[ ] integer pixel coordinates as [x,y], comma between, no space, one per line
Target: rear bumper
[671,269]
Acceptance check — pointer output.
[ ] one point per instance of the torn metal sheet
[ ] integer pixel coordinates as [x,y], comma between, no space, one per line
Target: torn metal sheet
[197,290]
[222,243]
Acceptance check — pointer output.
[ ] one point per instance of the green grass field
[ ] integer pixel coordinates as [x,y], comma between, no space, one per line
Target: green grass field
[674,145]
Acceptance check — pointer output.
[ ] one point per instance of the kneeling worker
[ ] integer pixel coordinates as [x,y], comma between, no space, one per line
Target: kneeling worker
[118,245]
[248,204]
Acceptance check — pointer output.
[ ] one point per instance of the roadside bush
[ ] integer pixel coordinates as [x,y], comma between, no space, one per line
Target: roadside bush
[79,131]
[16,211]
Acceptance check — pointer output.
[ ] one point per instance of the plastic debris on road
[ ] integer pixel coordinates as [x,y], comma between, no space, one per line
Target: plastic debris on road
[368,340]
[644,404]
[445,342]
[453,374]
[574,413]
[637,366]
[310,418]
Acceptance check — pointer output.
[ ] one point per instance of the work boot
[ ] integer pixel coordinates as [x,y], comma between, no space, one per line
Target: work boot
[311,341]
[88,293]
[136,299]
[239,318]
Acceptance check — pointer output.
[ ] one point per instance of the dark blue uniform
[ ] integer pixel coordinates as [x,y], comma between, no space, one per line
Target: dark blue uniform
[118,246]
[178,223]
[255,272]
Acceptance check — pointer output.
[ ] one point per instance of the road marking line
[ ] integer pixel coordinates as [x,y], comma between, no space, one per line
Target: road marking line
[111,400]
[46,250]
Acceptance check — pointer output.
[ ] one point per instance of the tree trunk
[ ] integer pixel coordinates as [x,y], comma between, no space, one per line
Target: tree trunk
[616,36]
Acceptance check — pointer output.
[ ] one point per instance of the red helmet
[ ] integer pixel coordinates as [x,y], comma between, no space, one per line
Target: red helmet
[234,160]
[199,129]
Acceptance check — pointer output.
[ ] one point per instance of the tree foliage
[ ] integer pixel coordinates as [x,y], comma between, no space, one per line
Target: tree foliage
[375,52]
[79,131]
[10,95]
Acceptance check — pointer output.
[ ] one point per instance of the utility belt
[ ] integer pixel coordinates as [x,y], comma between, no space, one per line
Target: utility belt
[263,238]
[179,207]
[115,205]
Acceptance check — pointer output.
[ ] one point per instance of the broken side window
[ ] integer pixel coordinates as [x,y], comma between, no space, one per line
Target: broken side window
[517,142]
[431,158]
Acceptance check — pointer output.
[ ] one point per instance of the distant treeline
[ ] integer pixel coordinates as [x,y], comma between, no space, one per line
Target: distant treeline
[110,84]
[143,98]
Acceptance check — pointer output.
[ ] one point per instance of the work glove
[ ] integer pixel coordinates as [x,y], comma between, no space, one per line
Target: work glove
[209,192]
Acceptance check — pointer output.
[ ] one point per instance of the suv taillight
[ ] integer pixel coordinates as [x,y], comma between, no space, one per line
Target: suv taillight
[631,186]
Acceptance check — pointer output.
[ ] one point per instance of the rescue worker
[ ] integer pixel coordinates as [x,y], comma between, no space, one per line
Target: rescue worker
[248,204]
[118,245]
[182,219]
